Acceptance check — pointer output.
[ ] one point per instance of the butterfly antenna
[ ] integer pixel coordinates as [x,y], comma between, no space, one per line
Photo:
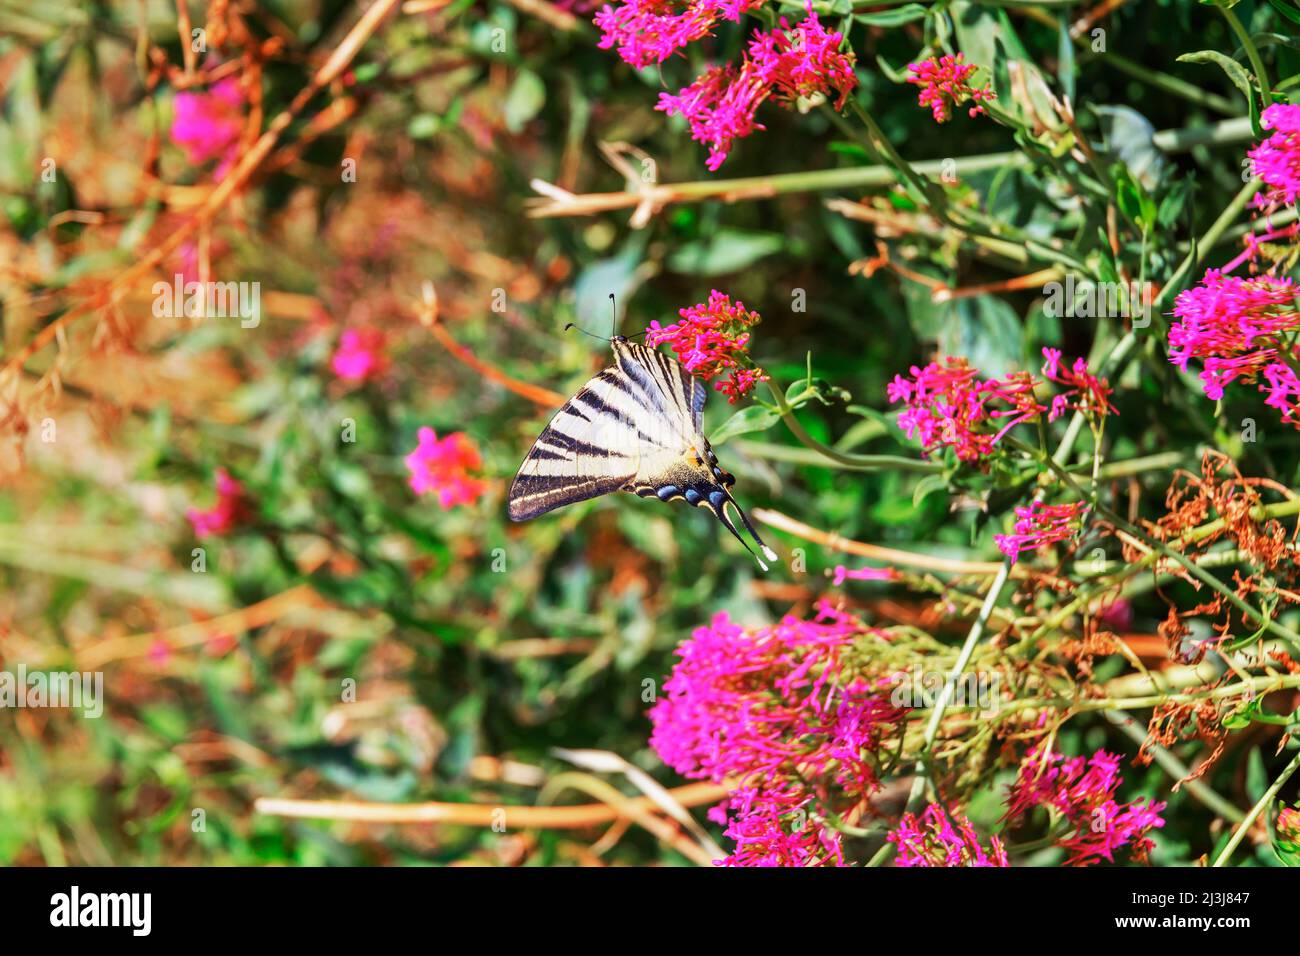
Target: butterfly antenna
[570,325]
[613,326]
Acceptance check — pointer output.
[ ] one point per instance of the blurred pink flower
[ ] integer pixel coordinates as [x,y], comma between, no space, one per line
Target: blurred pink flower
[360,355]
[442,467]
[949,406]
[1083,791]
[159,651]
[208,125]
[792,66]
[931,840]
[775,709]
[842,574]
[1276,160]
[943,86]
[712,339]
[230,509]
[1039,525]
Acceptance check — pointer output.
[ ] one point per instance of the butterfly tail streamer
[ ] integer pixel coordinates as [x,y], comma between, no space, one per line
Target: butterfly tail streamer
[719,508]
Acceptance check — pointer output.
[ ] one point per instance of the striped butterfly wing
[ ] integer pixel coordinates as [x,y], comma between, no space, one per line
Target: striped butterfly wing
[593,445]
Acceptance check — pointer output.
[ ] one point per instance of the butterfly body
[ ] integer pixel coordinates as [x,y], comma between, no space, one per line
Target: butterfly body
[635,426]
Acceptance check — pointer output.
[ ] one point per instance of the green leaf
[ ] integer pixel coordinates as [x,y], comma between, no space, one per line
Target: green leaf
[755,418]
[728,250]
[525,100]
[1236,72]
[1282,7]
[893,18]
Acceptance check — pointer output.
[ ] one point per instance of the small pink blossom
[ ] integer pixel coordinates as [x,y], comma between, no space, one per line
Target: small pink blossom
[950,406]
[712,339]
[1239,329]
[230,509]
[209,125]
[360,355]
[792,67]
[842,574]
[932,840]
[443,466]
[943,84]
[159,652]
[719,107]
[1039,525]
[1083,790]
[1085,392]
[648,32]
[1276,160]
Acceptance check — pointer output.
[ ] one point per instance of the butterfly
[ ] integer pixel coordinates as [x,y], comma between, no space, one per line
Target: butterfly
[636,426]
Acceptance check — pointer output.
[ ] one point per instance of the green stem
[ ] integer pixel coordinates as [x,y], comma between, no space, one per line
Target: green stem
[1257,809]
[1251,52]
[945,698]
[1175,767]
[847,459]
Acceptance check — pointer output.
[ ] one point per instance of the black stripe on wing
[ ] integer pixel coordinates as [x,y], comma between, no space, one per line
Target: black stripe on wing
[565,465]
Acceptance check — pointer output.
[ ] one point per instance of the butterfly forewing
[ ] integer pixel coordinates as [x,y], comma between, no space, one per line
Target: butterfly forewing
[591,447]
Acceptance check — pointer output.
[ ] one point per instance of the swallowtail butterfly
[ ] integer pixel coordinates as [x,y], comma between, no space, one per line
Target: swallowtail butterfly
[637,426]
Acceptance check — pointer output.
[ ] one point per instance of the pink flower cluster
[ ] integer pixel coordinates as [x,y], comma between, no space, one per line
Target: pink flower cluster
[1039,525]
[230,509]
[1276,160]
[950,406]
[777,712]
[647,32]
[208,125]
[933,840]
[1084,391]
[360,355]
[789,66]
[712,339]
[1236,328]
[943,83]
[442,466]
[1082,790]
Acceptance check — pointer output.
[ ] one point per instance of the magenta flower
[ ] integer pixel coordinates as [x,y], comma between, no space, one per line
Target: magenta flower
[712,339]
[1082,791]
[932,840]
[719,107]
[208,125]
[360,355]
[1276,160]
[842,574]
[794,67]
[778,713]
[230,509]
[1237,328]
[647,32]
[442,466]
[949,406]
[1039,525]
[943,84]
[1084,392]
[803,64]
